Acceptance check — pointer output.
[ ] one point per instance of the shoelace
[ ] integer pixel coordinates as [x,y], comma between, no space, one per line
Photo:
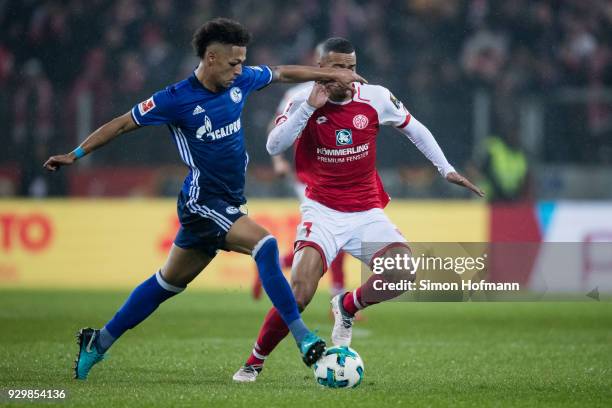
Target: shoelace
[347,322]
[250,369]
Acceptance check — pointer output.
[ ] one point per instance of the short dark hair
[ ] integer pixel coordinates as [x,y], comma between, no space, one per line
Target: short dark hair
[337,44]
[221,30]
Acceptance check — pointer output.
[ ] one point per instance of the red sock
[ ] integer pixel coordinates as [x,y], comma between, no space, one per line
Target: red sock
[272,331]
[337,274]
[366,295]
[287,260]
[349,304]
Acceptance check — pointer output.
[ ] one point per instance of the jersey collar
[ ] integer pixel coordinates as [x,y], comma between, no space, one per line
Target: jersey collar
[340,103]
[196,84]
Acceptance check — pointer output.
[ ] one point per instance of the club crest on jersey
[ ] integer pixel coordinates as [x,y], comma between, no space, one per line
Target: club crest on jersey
[236,94]
[360,121]
[344,137]
[232,210]
[146,106]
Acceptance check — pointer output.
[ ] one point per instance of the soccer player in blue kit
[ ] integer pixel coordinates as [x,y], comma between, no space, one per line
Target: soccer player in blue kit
[203,115]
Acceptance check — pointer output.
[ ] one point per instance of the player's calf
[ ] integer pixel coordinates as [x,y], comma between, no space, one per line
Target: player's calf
[375,290]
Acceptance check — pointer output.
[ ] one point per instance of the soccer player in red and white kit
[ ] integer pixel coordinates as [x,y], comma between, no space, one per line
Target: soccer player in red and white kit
[282,168]
[335,131]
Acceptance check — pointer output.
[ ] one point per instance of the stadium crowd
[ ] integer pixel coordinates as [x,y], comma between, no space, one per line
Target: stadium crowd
[68,66]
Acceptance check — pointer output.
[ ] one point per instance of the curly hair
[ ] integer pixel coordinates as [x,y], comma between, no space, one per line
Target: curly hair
[221,30]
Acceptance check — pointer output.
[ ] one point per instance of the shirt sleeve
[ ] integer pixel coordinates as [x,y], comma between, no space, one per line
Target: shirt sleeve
[157,110]
[393,111]
[289,107]
[426,143]
[258,77]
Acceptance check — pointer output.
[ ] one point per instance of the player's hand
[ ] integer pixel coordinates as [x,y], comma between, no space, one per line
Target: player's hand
[318,96]
[458,179]
[55,162]
[346,77]
[282,168]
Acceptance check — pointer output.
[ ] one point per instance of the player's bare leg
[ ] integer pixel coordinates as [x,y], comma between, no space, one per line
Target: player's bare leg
[306,272]
[345,306]
[305,275]
[248,237]
[336,274]
[181,267]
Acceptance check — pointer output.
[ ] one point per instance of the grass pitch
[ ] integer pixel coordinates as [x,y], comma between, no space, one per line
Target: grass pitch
[415,354]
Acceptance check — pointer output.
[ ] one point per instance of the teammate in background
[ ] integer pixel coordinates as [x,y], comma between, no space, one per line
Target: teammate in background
[282,168]
[203,115]
[336,133]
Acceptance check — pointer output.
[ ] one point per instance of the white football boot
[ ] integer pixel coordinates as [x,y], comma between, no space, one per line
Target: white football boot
[247,373]
[343,323]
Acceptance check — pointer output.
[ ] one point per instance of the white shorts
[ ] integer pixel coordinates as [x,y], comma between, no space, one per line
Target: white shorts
[364,234]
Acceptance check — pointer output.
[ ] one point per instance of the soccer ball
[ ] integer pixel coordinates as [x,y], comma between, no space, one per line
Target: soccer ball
[340,367]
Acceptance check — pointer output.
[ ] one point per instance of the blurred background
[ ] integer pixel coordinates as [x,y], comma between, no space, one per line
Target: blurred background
[518,94]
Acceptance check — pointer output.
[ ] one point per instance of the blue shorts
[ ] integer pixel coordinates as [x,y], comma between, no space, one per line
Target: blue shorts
[204,224]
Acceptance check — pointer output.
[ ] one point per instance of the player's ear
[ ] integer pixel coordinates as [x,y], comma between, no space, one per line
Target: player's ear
[210,57]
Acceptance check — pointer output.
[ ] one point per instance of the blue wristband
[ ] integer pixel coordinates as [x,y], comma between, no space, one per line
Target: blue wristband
[79,152]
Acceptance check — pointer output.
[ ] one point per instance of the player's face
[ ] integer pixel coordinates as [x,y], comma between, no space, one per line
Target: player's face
[225,63]
[338,60]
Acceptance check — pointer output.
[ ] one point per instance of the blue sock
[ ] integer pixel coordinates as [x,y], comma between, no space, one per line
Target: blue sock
[142,302]
[277,287]
[298,329]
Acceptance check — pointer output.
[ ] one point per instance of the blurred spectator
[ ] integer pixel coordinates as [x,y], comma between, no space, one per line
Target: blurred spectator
[33,103]
[32,127]
[505,170]
[88,101]
[97,58]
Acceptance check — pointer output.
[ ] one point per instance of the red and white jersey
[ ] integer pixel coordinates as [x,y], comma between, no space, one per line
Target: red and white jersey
[290,94]
[336,151]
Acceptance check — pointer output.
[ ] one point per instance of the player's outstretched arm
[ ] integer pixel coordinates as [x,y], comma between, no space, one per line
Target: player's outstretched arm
[426,143]
[303,73]
[291,124]
[456,178]
[107,132]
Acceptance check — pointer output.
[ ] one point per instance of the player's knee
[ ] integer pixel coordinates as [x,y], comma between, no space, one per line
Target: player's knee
[403,268]
[307,264]
[171,278]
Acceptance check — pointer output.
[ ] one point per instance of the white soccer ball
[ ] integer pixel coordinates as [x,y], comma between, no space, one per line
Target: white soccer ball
[340,367]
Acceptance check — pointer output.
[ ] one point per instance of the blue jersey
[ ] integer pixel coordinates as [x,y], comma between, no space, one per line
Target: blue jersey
[208,133]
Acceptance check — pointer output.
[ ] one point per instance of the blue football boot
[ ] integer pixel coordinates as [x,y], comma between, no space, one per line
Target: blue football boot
[88,354]
[312,348]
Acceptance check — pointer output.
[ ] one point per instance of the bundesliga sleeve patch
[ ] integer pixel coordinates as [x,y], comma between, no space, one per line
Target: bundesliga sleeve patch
[146,106]
[395,101]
